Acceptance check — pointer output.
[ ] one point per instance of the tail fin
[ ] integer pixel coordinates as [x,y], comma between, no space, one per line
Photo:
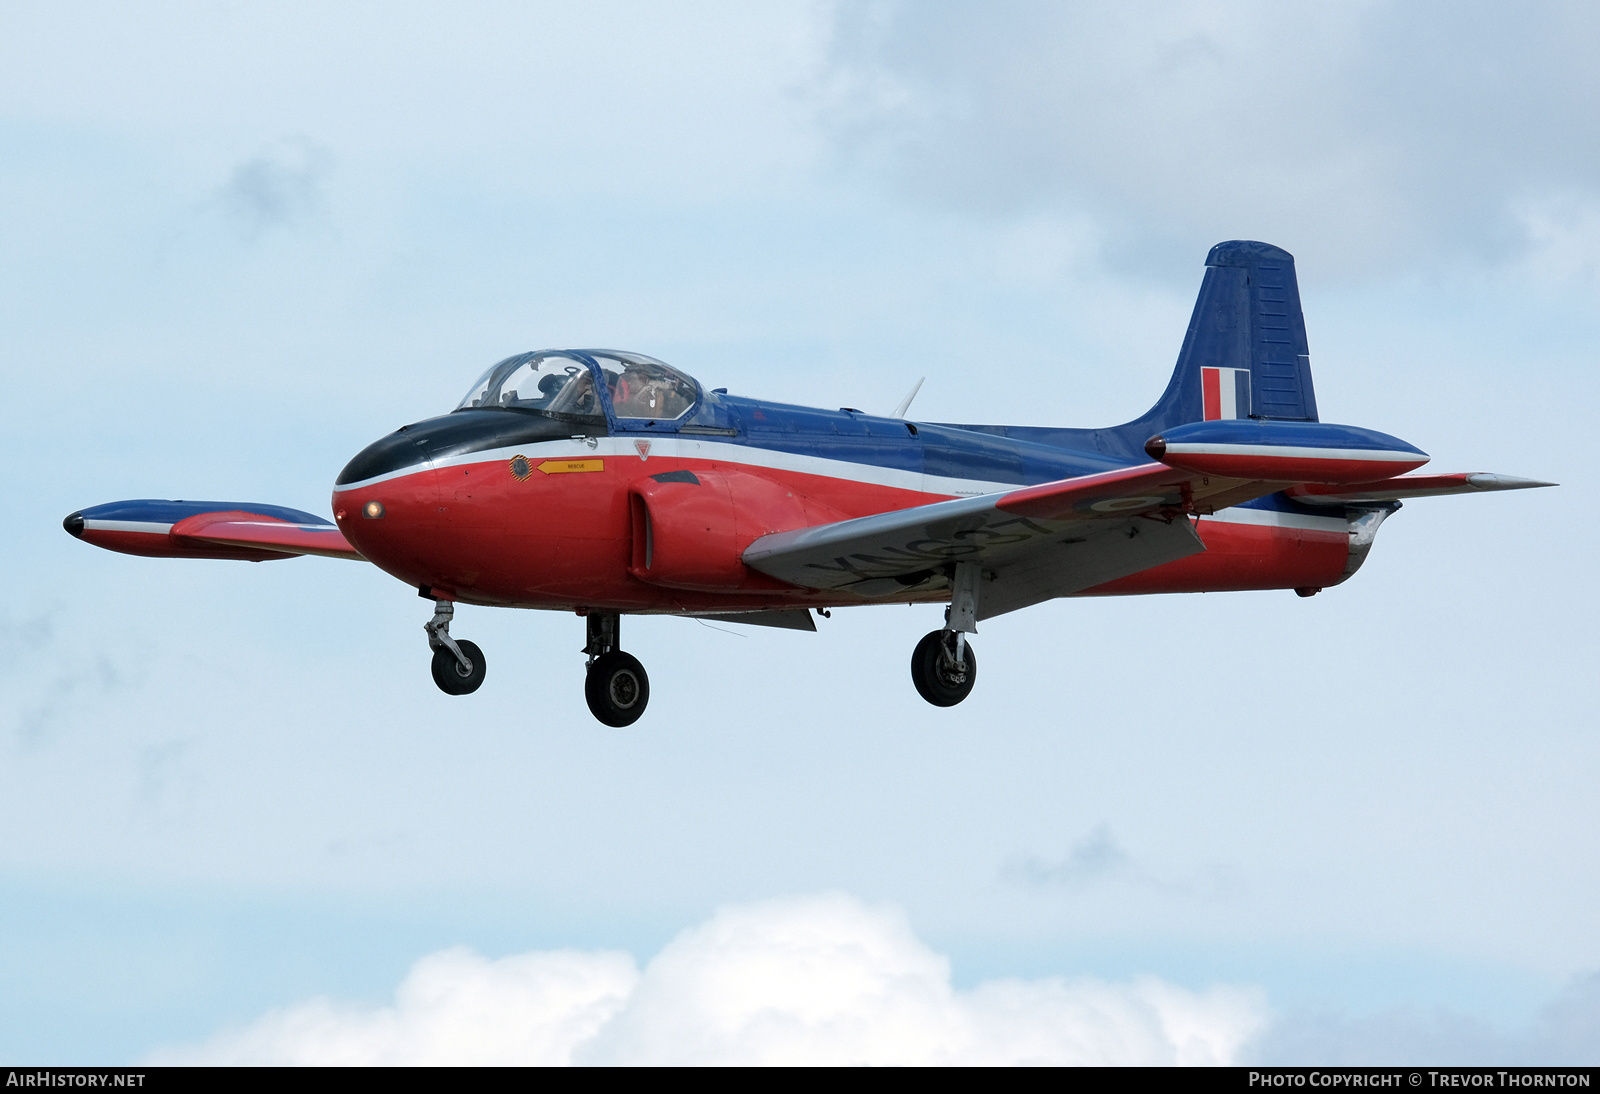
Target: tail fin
[1244,357]
[1245,354]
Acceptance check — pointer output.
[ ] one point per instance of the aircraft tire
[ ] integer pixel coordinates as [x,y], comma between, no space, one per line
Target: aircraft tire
[930,672]
[616,688]
[447,670]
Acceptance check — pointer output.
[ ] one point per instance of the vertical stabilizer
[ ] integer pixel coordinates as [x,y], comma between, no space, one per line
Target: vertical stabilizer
[1244,356]
[1245,353]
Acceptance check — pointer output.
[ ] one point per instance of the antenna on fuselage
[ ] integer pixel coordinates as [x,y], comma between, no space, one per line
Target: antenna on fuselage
[905,404]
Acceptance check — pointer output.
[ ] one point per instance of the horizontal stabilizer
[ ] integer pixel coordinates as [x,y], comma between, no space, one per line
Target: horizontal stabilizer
[208,529]
[1408,486]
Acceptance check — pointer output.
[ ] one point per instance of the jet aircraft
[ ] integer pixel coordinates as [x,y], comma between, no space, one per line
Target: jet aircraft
[608,483]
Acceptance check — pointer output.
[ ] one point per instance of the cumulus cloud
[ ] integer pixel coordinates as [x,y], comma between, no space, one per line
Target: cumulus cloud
[1374,133]
[454,1007]
[816,980]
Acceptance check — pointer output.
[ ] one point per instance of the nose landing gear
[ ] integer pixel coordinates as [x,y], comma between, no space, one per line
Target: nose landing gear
[458,665]
[943,666]
[616,686]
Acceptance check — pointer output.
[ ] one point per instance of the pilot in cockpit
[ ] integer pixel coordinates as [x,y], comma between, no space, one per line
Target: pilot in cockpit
[548,387]
[577,395]
[642,392]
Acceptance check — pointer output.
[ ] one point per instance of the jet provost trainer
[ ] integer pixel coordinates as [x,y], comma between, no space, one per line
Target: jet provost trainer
[608,483]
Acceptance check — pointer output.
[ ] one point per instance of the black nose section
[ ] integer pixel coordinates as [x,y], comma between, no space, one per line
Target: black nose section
[74,524]
[452,435]
[395,452]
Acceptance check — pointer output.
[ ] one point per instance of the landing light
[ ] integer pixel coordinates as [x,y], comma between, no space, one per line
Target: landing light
[372,510]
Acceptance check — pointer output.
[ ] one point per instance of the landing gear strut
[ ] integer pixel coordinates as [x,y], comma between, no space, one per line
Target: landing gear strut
[943,666]
[457,664]
[616,686]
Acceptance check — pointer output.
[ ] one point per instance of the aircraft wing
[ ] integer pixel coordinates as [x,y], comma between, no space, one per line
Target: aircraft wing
[208,529]
[1039,542]
[1407,486]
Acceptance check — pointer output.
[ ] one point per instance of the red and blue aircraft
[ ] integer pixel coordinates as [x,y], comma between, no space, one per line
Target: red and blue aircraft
[608,484]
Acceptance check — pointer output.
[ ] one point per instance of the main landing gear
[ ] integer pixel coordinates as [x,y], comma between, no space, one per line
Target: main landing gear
[457,664]
[943,666]
[616,686]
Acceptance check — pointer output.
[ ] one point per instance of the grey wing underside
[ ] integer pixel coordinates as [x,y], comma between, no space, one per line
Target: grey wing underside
[1034,544]
[1082,559]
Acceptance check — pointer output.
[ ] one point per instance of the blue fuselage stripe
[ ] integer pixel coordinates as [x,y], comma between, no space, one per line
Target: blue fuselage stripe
[935,450]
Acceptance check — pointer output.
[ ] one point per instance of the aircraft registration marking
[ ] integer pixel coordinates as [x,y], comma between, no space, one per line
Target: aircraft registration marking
[568,467]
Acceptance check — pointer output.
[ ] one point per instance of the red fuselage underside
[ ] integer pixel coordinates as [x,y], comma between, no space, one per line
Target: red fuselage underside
[475,532]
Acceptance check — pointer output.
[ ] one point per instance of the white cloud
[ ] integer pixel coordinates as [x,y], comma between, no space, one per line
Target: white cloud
[454,1007]
[815,980]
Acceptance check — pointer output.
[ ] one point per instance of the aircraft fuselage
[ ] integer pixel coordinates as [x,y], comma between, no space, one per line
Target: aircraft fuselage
[516,509]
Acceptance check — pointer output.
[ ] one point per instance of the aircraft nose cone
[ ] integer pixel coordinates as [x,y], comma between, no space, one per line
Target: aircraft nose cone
[74,524]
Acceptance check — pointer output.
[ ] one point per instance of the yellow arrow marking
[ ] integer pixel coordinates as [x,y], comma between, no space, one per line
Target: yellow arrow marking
[567,467]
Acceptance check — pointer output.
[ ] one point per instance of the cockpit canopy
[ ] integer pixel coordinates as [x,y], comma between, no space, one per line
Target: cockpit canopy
[585,383]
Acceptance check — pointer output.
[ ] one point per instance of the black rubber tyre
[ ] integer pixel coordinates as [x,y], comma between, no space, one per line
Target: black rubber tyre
[934,674]
[617,688]
[448,674]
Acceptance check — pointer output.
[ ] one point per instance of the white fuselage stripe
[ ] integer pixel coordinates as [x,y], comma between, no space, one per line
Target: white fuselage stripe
[699,448]
[151,527]
[1290,452]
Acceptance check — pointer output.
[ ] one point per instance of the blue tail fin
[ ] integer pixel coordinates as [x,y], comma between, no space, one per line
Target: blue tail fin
[1245,354]
[1247,320]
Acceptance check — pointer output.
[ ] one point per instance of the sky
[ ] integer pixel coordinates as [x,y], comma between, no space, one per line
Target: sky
[239,823]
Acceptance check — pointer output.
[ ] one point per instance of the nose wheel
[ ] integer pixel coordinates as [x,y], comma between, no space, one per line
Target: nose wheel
[452,675]
[615,686]
[458,664]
